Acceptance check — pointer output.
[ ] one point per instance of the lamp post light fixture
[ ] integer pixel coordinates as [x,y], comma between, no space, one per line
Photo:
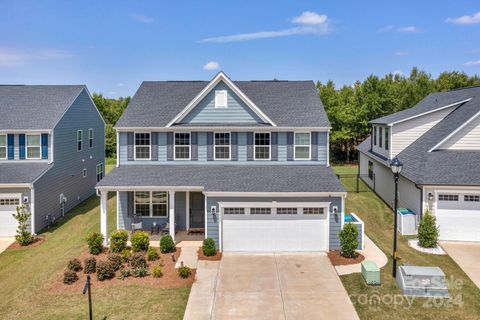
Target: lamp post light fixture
[396,167]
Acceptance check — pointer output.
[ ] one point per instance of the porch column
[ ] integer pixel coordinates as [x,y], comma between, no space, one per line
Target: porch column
[171,213]
[104,216]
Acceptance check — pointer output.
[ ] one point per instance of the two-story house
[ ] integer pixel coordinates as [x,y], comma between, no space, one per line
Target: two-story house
[245,162]
[438,142]
[51,151]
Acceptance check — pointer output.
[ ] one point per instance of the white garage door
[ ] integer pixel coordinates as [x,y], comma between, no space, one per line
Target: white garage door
[275,230]
[458,216]
[8,205]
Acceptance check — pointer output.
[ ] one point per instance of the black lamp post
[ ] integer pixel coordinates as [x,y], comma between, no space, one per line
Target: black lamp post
[396,167]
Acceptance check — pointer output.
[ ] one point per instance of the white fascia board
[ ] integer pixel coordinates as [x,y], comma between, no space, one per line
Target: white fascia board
[275,194]
[38,131]
[274,204]
[150,188]
[16,185]
[218,128]
[220,77]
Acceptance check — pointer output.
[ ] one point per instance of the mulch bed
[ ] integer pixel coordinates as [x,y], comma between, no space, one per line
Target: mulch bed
[338,260]
[36,242]
[169,279]
[216,257]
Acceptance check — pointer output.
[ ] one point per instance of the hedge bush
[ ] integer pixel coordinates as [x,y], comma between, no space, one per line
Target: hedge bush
[166,244]
[140,241]
[104,270]
[184,272]
[428,231]
[348,240]
[137,260]
[152,254]
[118,241]
[209,248]
[140,272]
[69,277]
[157,271]
[95,243]
[24,237]
[74,265]
[124,273]
[115,261]
[126,254]
[90,264]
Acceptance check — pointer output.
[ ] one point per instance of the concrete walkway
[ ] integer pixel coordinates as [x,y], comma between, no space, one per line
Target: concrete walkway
[371,252]
[466,255]
[189,254]
[5,243]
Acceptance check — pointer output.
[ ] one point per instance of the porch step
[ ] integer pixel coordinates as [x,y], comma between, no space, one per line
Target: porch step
[196,230]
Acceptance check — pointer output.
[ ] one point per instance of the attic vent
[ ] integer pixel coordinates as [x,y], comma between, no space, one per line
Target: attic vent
[220,98]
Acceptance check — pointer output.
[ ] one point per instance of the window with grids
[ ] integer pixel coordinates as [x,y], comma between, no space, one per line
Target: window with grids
[260,211]
[33,147]
[90,138]
[151,204]
[99,172]
[3,146]
[286,210]
[222,146]
[9,202]
[182,146]
[262,146]
[302,145]
[142,146]
[448,197]
[471,198]
[233,210]
[79,140]
[159,204]
[313,210]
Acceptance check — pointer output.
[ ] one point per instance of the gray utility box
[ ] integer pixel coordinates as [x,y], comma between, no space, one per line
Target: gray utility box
[370,272]
[422,281]
[406,221]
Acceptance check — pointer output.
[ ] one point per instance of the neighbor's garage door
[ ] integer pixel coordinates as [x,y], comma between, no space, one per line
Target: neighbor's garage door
[8,205]
[458,216]
[270,230]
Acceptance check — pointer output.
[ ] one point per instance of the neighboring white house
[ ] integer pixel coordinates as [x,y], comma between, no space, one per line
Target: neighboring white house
[438,141]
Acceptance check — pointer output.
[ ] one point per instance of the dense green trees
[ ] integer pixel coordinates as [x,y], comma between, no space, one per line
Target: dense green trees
[351,107]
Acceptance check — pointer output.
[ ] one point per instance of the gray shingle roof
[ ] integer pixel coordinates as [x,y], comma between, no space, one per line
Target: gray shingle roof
[34,107]
[233,178]
[287,103]
[21,172]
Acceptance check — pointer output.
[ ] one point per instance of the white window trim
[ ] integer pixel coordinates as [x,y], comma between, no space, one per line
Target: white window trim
[151,205]
[302,145]
[269,146]
[90,138]
[225,92]
[135,146]
[189,146]
[229,146]
[6,147]
[39,147]
[79,140]
[102,168]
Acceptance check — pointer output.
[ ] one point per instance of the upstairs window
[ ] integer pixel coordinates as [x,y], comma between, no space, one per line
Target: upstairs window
[370,170]
[380,137]
[79,140]
[142,146]
[387,139]
[90,138]
[302,145]
[374,135]
[3,146]
[220,98]
[182,146]
[222,146]
[33,146]
[99,172]
[262,146]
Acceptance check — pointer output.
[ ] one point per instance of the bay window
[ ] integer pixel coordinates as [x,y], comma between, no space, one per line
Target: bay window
[222,146]
[182,146]
[142,146]
[302,145]
[151,204]
[262,146]
[33,146]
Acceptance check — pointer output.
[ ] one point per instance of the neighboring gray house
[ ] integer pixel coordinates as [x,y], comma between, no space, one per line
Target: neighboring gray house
[51,151]
[245,162]
[438,141]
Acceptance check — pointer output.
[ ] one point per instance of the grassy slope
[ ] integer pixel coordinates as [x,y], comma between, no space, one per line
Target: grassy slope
[26,277]
[378,219]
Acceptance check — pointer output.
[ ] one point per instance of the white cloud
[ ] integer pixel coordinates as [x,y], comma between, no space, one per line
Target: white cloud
[408,29]
[310,23]
[391,28]
[473,19]
[10,57]
[142,18]
[472,63]
[402,53]
[211,65]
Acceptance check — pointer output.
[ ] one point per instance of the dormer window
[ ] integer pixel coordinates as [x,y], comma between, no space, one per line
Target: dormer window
[220,98]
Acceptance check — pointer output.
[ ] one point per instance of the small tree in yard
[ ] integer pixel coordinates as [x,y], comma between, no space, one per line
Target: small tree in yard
[348,240]
[24,236]
[428,231]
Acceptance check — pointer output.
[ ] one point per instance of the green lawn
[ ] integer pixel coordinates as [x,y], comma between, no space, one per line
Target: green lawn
[378,219]
[26,277]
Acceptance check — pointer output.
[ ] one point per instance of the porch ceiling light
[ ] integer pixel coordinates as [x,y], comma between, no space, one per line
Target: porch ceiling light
[396,166]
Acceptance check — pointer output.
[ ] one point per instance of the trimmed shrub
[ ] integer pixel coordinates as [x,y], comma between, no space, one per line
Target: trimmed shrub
[209,248]
[137,260]
[152,254]
[24,237]
[157,271]
[69,277]
[348,240]
[74,265]
[90,264]
[126,254]
[140,241]
[95,243]
[118,241]
[166,244]
[115,261]
[428,231]
[124,273]
[140,272]
[184,272]
[104,270]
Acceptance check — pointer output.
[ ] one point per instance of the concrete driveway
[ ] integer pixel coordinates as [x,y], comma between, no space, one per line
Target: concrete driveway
[269,286]
[467,256]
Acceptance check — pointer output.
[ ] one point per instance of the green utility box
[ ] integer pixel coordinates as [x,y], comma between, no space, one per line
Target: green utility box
[370,272]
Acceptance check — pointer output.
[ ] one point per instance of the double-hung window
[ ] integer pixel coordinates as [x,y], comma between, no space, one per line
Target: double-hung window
[90,138]
[99,172]
[33,146]
[142,146]
[182,146]
[151,203]
[262,146]
[3,146]
[370,170]
[387,139]
[374,135]
[380,137]
[302,145]
[222,146]
[79,140]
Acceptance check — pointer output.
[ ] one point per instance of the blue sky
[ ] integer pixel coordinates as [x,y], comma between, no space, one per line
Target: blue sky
[112,46]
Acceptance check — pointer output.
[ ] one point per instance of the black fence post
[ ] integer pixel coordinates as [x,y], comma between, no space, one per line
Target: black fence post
[358,178]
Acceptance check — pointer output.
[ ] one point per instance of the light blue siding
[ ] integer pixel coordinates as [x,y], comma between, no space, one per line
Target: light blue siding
[322,147]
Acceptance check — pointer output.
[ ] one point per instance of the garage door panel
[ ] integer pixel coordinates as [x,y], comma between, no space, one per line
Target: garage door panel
[459,225]
[8,224]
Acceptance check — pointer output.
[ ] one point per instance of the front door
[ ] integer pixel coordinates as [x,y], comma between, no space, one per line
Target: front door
[197,210]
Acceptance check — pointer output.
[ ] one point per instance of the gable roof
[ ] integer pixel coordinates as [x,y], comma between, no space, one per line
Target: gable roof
[35,107]
[285,103]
